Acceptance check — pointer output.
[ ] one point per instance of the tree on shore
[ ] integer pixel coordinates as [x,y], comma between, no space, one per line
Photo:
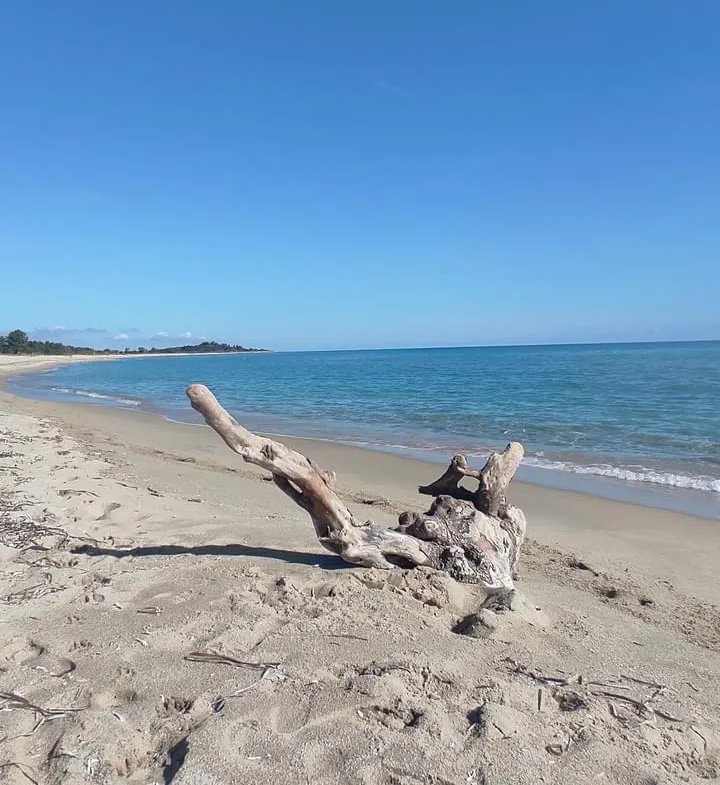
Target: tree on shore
[19,342]
[15,342]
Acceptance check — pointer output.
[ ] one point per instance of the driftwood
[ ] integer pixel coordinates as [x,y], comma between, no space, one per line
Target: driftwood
[473,536]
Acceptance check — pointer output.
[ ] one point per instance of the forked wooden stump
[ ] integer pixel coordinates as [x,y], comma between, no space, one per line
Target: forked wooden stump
[474,536]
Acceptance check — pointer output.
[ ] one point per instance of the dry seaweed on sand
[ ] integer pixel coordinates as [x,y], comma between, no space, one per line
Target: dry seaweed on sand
[21,768]
[267,668]
[225,659]
[18,530]
[32,592]
[642,706]
[12,701]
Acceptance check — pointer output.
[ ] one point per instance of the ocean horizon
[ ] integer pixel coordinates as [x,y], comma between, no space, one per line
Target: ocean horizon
[633,421]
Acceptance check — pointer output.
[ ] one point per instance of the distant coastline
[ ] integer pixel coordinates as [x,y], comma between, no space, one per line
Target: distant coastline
[206,347]
[18,342]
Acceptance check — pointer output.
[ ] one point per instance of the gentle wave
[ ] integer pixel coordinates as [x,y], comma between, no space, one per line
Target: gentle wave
[99,396]
[182,422]
[641,474]
[638,474]
[585,414]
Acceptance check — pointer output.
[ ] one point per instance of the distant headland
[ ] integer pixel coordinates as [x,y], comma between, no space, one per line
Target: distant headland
[19,342]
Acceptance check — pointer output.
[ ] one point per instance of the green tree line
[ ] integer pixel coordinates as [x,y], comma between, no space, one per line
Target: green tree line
[19,342]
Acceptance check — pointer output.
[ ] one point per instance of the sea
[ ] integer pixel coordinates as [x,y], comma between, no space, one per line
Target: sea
[636,422]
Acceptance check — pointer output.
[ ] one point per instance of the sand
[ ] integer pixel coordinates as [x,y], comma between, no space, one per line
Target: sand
[130,543]
[13,364]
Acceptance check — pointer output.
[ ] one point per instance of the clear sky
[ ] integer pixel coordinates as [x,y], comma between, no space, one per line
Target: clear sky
[346,173]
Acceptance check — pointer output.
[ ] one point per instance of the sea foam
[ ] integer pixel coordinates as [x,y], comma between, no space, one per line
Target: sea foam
[98,396]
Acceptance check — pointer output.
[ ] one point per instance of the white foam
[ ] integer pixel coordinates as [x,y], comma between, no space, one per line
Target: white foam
[167,418]
[99,396]
[638,474]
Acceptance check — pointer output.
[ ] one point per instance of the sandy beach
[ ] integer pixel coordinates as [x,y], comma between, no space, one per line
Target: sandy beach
[14,363]
[129,543]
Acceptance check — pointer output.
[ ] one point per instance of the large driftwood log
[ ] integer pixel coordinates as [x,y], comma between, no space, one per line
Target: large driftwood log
[473,536]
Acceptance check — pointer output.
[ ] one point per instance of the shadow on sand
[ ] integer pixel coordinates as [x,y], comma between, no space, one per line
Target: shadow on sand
[323,560]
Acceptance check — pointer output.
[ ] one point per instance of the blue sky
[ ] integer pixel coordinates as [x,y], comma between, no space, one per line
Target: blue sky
[355,174]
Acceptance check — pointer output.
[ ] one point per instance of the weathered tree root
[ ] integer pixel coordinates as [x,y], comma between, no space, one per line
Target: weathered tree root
[473,536]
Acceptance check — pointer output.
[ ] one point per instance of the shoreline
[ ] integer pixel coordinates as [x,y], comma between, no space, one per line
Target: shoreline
[128,543]
[686,501]
[576,521]
[572,519]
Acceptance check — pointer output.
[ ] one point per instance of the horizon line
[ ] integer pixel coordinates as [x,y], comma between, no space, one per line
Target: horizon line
[499,345]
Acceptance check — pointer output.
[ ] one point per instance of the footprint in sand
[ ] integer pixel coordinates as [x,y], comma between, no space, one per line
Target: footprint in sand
[169,705]
[91,583]
[111,699]
[27,653]
[109,510]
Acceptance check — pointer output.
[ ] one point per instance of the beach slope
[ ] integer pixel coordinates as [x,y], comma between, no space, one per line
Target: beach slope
[167,616]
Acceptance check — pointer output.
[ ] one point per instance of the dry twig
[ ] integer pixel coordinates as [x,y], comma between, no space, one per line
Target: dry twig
[19,766]
[224,659]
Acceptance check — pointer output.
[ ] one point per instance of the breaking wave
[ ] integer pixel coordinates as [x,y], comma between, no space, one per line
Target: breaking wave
[636,474]
[98,396]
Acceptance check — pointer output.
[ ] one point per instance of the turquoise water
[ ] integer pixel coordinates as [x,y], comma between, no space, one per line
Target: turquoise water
[643,415]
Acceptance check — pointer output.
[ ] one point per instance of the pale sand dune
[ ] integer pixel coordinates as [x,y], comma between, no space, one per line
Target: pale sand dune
[372,685]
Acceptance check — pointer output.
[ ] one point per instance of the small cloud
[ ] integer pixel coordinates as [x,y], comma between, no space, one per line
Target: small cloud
[57,329]
[202,338]
[129,330]
[161,335]
[185,335]
[120,337]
